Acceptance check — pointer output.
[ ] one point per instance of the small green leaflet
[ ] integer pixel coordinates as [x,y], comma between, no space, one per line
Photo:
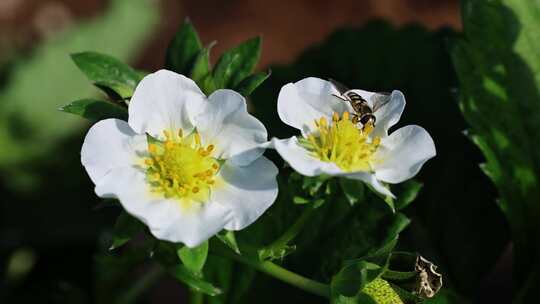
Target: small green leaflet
[95,109]
[109,72]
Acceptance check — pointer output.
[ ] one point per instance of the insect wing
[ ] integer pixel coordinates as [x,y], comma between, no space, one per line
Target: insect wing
[379,99]
[341,88]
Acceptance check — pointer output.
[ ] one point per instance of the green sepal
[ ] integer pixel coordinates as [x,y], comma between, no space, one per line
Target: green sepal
[184,275]
[229,239]
[106,71]
[354,190]
[275,252]
[193,258]
[125,228]
[183,49]
[166,254]
[250,83]
[352,278]
[95,109]
[407,193]
[237,63]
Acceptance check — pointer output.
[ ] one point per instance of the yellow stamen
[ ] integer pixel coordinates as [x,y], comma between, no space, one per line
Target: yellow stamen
[181,168]
[335,117]
[343,143]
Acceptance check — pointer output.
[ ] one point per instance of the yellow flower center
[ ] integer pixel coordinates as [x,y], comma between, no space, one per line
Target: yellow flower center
[180,167]
[343,143]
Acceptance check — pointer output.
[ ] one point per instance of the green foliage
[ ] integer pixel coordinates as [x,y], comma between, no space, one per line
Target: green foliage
[237,63]
[229,239]
[95,109]
[183,50]
[109,72]
[250,83]
[350,280]
[454,221]
[233,69]
[184,275]
[125,229]
[498,66]
[194,258]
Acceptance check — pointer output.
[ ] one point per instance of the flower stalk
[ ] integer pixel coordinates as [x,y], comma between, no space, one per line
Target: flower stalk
[280,273]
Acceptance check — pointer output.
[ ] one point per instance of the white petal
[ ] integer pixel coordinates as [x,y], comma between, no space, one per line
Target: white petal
[371,180]
[110,144]
[226,123]
[402,154]
[303,102]
[300,160]
[247,191]
[162,101]
[167,219]
[388,114]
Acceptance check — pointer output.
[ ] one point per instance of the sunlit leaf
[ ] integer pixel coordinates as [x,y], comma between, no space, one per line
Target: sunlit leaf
[95,109]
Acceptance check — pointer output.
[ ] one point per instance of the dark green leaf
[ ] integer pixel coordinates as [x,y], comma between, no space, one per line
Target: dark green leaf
[183,49]
[125,228]
[201,65]
[95,110]
[184,275]
[406,193]
[498,66]
[353,190]
[250,83]
[237,63]
[194,258]
[350,280]
[229,239]
[107,71]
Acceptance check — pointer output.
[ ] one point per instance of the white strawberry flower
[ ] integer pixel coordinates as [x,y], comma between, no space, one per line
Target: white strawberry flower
[185,164]
[332,144]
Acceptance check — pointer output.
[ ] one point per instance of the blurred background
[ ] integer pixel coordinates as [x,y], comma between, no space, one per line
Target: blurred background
[52,239]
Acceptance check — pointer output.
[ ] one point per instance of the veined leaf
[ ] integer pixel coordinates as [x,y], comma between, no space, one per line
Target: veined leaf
[250,83]
[237,63]
[95,109]
[109,72]
[183,50]
[498,66]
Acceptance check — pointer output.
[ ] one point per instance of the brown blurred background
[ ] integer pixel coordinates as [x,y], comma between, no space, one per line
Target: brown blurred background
[288,27]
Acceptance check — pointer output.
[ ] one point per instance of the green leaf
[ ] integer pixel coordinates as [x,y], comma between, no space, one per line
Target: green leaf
[250,83]
[201,66]
[498,67]
[183,49]
[108,71]
[194,258]
[350,280]
[229,239]
[353,190]
[125,228]
[237,63]
[184,275]
[406,193]
[95,110]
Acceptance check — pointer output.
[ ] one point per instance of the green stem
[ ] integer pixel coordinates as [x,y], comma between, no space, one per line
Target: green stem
[196,297]
[294,230]
[282,274]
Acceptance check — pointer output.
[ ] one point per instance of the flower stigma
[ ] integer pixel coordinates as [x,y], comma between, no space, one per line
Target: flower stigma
[343,143]
[181,167]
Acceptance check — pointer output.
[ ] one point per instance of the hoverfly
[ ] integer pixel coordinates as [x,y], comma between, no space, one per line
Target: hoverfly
[363,112]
